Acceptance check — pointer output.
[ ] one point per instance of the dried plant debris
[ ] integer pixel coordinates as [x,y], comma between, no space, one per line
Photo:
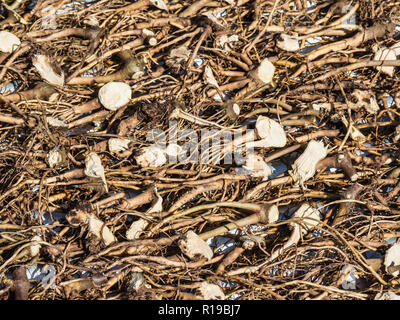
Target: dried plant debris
[94,168]
[389,295]
[193,246]
[271,133]
[355,134]
[198,149]
[257,167]
[100,230]
[249,242]
[264,73]
[21,284]
[56,157]
[392,260]
[288,43]
[385,54]
[116,145]
[366,100]
[115,95]
[160,4]
[305,165]
[306,218]
[35,248]
[211,291]
[56,122]
[137,227]
[82,217]
[177,58]
[152,156]
[225,41]
[9,42]
[210,79]
[48,70]
[349,278]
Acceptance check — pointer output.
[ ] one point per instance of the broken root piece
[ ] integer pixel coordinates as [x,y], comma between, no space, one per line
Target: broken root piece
[193,246]
[115,95]
[264,73]
[308,218]
[304,167]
